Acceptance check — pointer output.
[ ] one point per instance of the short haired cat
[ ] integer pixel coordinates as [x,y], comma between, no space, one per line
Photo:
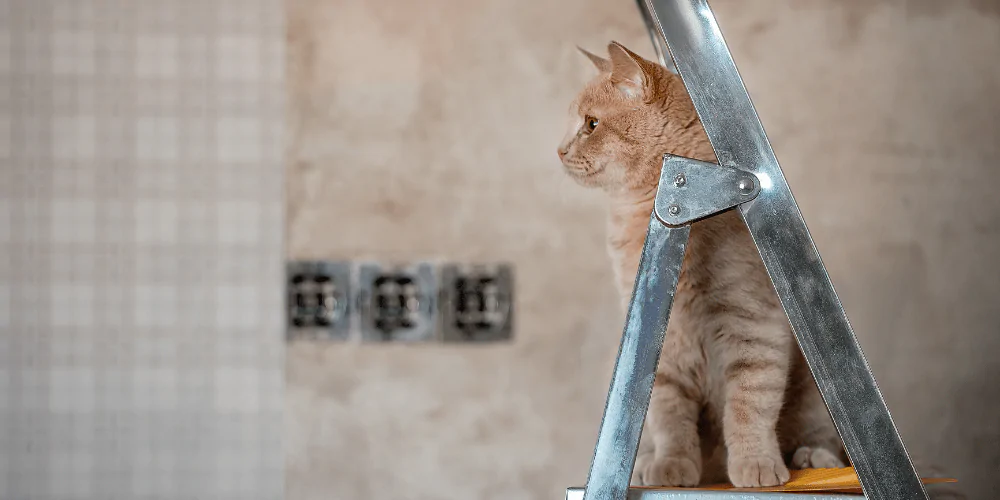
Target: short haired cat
[732,398]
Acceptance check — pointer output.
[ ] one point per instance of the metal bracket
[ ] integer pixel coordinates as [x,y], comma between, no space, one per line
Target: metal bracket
[691,189]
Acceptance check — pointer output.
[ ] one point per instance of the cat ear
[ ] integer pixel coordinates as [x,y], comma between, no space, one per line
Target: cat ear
[628,71]
[603,65]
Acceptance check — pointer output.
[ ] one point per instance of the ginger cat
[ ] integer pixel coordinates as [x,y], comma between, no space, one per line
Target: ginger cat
[733,398]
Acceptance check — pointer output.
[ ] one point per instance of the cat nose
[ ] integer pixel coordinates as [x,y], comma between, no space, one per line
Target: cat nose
[562,152]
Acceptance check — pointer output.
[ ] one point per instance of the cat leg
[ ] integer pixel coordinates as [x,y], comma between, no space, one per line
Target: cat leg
[807,457]
[672,427]
[806,430]
[672,420]
[819,444]
[755,363]
[643,456]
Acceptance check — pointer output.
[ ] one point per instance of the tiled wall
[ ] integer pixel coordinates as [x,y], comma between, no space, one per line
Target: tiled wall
[141,351]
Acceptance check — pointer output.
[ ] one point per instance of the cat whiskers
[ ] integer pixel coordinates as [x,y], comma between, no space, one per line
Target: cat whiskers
[584,173]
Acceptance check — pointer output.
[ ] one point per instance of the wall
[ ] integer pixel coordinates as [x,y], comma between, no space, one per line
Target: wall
[140,233]
[429,130]
[141,351]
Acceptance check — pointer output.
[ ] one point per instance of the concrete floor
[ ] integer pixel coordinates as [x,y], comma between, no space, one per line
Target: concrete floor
[428,130]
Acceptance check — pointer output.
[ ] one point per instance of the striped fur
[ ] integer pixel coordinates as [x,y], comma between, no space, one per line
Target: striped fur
[733,398]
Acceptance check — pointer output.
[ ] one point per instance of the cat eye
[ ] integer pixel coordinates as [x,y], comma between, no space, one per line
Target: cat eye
[591,123]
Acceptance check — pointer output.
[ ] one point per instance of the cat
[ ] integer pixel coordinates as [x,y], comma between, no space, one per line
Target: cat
[732,397]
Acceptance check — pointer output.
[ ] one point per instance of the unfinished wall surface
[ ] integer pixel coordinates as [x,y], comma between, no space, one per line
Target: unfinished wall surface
[428,130]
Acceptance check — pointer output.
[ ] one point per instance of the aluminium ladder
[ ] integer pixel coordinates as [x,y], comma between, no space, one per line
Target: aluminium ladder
[749,178]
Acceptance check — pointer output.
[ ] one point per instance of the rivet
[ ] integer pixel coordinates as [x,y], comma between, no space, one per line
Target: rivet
[745,186]
[673,210]
[680,180]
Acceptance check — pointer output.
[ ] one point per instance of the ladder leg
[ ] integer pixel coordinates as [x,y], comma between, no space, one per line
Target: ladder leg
[662,53]
[638,355]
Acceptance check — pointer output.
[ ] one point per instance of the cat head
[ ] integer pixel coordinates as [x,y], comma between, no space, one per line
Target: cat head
[623,122]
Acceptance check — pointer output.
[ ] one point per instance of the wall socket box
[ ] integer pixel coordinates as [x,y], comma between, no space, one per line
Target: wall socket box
[319,299]
[399,302]
[476,302]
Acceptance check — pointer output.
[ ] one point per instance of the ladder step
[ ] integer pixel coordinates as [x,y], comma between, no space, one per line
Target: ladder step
[699,494]
[803,484]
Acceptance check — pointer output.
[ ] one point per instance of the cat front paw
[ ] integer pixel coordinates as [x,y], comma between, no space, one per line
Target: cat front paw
[807,457]
[758,470]
[669,471]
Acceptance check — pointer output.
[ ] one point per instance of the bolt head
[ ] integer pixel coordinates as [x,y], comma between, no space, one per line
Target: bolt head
[680,180]
[673,210]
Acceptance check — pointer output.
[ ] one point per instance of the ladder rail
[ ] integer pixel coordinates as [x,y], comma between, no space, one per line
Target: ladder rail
[659,45]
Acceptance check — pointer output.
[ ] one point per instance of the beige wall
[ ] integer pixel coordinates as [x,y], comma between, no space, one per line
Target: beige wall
[428,130]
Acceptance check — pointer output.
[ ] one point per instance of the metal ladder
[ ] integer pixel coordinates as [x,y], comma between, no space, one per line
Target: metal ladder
[749,178]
